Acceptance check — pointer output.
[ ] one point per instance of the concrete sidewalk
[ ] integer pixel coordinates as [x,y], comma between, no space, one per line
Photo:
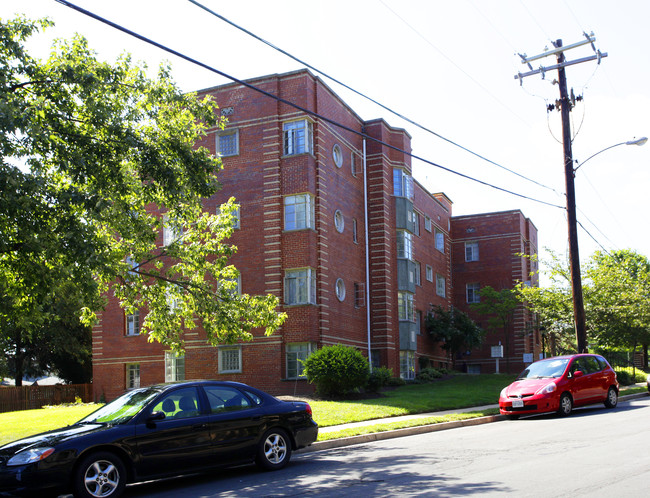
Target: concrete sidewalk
[378,436]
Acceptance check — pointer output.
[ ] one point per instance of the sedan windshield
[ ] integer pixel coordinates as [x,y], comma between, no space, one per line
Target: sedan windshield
[545,369]
[122,409]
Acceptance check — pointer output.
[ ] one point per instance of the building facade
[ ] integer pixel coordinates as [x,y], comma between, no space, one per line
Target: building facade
[332,222]
[496,250]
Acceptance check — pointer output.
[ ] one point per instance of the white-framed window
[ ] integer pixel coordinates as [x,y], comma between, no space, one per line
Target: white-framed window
[337,155]
[407,365]
[441,285]
[402,183]
[296,353]
[339,221]
[471,251]
[427,223]
[172,230]
[298,137]
[440,240]
[230,359]
[174,367]
[359,294]
[416,223]
[132,375]
[429,273]
[228,143]
[300,286]
[171,297]
[133,323]
[418,273]
[298,212]
[232,285]
[404,244]
[340,289]
[236,216]
[353,164]
[473,293]
[405,306]
[355,237]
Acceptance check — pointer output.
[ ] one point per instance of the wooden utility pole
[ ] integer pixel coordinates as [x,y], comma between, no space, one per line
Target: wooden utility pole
[565,104]
[574,254]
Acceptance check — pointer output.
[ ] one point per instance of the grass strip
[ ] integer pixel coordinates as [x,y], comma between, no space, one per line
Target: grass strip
[403,424]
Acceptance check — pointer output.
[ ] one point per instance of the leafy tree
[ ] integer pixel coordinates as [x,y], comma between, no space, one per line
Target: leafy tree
[336,370]
[619,299]
[500,306]
[454,329]
[92,155]
[616,291]
[61,345]
[553,306]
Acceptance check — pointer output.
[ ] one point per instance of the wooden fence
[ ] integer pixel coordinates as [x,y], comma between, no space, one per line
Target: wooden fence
[31,397]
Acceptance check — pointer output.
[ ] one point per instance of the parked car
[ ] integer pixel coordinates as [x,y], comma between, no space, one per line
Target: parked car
[158,431]
[558,384]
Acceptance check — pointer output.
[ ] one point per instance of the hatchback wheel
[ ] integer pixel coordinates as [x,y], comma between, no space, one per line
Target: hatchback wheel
[612,398]
[100,475]
[566,405]
[274,451]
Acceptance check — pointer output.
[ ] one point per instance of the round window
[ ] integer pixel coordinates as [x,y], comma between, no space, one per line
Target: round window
[337,154]
[340,289]
[339,222]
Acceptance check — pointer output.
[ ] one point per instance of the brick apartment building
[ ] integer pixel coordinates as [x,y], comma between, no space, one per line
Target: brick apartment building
[337,228]
[490,249]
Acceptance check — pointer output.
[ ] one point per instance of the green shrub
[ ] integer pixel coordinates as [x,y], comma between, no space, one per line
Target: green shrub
[428,375]
[336,370]
[378,378]
[624,377]
[627,376]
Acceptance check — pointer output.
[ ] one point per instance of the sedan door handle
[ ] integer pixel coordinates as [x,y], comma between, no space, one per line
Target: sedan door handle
[199,426]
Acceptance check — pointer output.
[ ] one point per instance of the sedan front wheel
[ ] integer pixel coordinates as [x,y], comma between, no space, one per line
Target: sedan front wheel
[100,475]
[274,451]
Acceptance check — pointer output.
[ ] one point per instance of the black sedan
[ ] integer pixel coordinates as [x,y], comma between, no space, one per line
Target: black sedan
[158,431]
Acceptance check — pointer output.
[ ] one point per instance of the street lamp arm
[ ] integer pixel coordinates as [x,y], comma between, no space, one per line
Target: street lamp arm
[640,141]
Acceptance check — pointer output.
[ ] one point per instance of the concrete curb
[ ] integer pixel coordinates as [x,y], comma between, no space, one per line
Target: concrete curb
[422,429]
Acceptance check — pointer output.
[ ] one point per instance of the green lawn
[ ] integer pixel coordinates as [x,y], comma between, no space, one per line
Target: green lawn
[16,425]
[459,391]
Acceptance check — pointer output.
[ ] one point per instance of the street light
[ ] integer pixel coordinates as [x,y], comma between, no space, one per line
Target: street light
[640,141]
[576,283]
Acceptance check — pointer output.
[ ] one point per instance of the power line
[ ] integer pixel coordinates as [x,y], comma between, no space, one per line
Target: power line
[395,113]
[295,106]
[592,237]
[451,61]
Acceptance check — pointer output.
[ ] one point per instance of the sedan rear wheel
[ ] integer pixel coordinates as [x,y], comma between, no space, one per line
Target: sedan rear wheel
[274,451]
[566,405]
[612,398]
[100,475]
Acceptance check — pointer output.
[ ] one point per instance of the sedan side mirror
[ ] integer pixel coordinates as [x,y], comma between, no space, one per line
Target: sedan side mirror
[155,416]
[577,374]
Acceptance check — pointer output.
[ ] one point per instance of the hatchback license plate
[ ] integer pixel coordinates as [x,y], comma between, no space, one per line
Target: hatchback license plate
[517,403]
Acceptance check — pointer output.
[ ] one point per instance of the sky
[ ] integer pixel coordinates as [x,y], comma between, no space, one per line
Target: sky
[448,66]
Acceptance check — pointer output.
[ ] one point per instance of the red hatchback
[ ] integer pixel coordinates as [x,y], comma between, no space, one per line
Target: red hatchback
[558,384]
